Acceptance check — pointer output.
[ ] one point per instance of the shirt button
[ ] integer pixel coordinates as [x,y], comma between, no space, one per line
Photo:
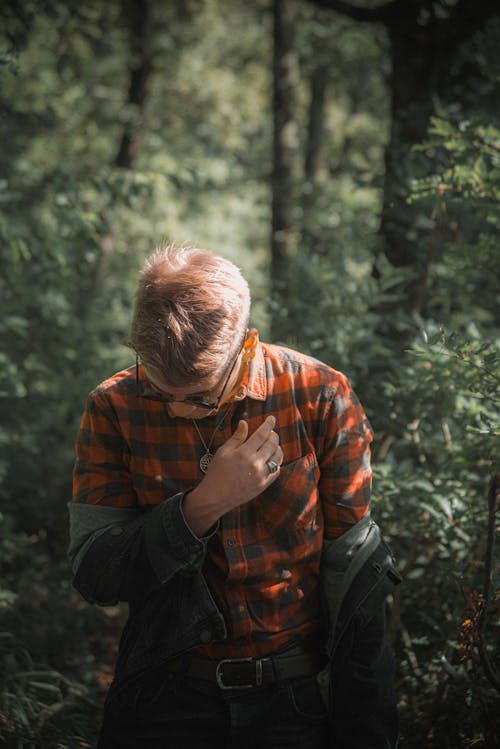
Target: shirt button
[206,636]
[116,531]
[230,541]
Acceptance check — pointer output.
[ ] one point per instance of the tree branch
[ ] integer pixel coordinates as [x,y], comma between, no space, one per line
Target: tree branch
[358,13]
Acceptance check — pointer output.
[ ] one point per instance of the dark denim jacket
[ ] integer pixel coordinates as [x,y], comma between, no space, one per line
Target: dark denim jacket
[154,562]
[358,574]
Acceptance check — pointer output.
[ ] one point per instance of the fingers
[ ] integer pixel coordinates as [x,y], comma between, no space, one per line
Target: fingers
[239,470]
[276,457]
[261,434]
[269,448]
[255,451]
[239,435]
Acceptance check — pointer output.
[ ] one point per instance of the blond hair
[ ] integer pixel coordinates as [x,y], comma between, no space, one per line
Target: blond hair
[191,312]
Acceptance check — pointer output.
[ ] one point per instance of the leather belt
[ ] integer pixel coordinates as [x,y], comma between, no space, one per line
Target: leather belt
[246,673]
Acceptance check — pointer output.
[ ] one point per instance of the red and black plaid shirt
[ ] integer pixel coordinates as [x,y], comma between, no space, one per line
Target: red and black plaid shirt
[263,563]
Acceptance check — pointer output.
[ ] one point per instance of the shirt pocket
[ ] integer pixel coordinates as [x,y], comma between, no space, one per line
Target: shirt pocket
[292,501]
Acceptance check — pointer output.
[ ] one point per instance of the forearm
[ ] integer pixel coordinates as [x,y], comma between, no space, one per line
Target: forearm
[201,510]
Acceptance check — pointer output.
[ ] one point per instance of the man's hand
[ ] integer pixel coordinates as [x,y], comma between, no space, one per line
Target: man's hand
[237,473]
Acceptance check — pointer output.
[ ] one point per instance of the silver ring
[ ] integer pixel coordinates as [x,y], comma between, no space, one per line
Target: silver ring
[272,465]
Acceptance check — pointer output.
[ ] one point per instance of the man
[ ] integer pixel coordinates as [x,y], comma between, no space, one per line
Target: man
[222,488]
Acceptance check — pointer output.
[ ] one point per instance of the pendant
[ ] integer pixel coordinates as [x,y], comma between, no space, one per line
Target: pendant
[205,461]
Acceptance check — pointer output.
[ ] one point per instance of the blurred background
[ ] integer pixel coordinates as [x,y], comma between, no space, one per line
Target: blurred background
[346,155]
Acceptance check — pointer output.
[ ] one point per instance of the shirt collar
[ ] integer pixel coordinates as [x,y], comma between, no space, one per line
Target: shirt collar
[254,383]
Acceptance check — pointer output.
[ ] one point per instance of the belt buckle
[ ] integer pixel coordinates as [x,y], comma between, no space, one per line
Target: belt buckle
[219,677]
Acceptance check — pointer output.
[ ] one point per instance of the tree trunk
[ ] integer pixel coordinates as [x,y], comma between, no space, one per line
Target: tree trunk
[315,125]
[285,146]
[423,44]
[423,57]
[315,131]
[415,71]
[137,14]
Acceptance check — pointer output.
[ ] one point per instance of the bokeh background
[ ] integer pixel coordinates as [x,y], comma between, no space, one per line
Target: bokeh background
[346,155]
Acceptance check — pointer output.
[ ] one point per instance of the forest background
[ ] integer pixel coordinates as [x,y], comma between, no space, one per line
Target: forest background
[347,157]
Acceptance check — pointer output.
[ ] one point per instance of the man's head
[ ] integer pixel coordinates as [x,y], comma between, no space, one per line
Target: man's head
[191,313]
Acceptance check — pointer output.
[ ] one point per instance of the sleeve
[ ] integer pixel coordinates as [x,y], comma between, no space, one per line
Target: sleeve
[118,551]
[346,476]
[363,697]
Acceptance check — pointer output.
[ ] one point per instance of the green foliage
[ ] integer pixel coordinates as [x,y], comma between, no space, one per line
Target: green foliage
[442,448]
[40,707]
[432,484]
[56,653]
[434,402]
[471,155]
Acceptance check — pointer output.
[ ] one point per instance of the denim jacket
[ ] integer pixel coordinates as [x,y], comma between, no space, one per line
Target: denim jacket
[154,562]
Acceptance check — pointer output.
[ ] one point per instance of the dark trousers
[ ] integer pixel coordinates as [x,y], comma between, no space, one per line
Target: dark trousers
[172,711]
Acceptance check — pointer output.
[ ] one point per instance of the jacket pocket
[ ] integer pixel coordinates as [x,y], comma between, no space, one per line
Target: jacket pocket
[307,701]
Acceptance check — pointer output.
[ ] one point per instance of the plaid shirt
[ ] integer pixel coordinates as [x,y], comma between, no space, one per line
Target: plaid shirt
[263,559]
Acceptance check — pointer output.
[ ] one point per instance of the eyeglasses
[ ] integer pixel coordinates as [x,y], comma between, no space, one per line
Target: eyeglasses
[199,401]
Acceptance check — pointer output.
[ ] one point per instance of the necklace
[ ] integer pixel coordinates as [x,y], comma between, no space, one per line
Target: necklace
[208,456]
